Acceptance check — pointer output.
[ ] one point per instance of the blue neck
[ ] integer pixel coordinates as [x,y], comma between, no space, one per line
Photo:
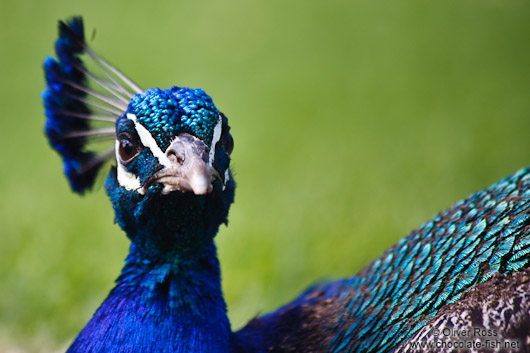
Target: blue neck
[161,307]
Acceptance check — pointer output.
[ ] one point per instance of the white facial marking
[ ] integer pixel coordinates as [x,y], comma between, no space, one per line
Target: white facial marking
[131,182]
[126,179]
[149,141]
[216,136]
[227,178]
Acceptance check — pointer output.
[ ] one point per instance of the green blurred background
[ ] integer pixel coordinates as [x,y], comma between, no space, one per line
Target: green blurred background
[354,121]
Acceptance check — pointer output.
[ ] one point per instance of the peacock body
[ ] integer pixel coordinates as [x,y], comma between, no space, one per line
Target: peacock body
[172,188]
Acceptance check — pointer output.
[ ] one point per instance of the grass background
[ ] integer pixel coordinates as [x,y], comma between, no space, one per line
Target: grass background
[354,122]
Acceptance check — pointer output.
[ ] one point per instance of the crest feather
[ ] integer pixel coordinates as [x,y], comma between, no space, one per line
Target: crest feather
[80,107]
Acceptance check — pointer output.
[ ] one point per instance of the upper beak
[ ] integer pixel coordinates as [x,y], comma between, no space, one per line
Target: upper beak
[187,169]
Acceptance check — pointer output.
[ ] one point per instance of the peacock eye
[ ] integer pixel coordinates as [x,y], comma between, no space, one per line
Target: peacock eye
[229,144]
[128,149]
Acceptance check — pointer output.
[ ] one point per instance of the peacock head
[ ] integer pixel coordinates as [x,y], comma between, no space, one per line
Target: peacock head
[171,185]
[174,137]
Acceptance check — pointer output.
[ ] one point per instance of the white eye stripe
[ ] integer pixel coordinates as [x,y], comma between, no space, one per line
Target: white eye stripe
[126,179]
[131,181]
[216,137]
[148,141]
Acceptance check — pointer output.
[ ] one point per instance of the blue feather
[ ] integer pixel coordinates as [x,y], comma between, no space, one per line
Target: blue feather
[58,101]
[68,102]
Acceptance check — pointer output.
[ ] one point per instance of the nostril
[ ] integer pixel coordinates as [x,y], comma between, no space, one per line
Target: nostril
[174,156]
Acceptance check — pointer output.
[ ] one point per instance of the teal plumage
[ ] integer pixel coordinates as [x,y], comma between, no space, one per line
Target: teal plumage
[172,188]
[492,315]
[482,239]
[483,235]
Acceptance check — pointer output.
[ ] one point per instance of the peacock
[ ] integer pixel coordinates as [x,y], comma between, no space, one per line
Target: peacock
[466,270]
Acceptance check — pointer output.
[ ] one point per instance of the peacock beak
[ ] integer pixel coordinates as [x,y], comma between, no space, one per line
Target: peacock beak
[190,168]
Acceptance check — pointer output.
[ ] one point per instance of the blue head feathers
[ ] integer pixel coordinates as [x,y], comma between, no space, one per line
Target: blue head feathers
[83,108]
[167,112]
[171,146]
[172,176]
